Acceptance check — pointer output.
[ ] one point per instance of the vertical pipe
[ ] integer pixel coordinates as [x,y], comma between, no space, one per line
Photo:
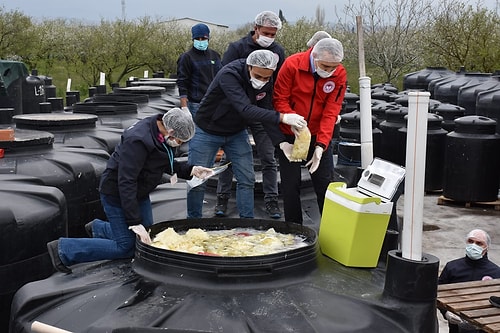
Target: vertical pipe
[416,143]
[365,101]
[365,121]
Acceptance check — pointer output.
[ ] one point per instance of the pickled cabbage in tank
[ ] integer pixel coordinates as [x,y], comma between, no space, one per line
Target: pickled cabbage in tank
[237,242]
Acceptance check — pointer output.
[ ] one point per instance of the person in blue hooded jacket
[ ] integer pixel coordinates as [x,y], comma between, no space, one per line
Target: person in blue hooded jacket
[240,93]
[196,68]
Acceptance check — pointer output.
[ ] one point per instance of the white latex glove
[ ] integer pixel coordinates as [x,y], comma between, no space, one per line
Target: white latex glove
[186,109]
[316,158]
[201,172]
[294,119]
[296,131]
[338,120]
[141,231]
[287,149]
[453,318]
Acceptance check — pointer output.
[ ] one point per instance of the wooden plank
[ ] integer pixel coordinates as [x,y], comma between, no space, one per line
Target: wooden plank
[466,297]
[469,291]
[442,200]
[470,284]
[464,306]
[470,300]
[488,320]
[483,312]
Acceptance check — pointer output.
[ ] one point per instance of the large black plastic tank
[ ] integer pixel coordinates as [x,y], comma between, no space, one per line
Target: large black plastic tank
[6,115]
[384,92]
[467,94]
[297,291]
[449,112]
[390,145]
[472,160]
[160,99]
[349,145]
[74,171]
[110,114]
[12,74]
[33,93]
[351,100]
[30,216]
[72,129]
[420,80]
[487,105]
[446,91]
[434,154]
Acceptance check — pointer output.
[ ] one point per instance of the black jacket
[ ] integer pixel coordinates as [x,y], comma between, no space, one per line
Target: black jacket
[137,165]
[231,104]
[195,70]
[244,46]
[465,269]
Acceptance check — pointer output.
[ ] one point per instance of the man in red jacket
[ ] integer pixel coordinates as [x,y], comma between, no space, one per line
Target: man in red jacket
[311,84]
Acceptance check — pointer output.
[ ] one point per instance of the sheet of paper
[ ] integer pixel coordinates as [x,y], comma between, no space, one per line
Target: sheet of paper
[195,181]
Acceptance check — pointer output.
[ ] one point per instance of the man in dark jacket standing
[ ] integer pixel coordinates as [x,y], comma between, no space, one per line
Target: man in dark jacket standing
[262,37]
[240,94]
[474,266]
[196,68]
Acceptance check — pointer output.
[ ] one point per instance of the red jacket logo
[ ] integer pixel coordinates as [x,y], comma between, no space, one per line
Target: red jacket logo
[328,87]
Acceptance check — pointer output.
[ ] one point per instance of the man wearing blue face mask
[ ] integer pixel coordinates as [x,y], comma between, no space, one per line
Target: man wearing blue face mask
[196,68]
[474,266]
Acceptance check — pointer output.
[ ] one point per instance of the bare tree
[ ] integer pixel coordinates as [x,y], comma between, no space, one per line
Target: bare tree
[458,34]
[391,31]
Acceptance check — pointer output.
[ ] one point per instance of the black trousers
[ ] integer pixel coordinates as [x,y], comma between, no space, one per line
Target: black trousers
[291,181]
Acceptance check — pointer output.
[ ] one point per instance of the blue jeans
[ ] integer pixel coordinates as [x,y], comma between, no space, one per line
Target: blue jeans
[112,240]
[203,149]
[265,152]
[193,107]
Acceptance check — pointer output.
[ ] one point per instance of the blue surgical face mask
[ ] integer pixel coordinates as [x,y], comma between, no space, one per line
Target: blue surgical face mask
[201,45]
[474,251]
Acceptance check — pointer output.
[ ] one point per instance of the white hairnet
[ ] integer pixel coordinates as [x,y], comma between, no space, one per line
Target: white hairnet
[268,19]
[480,234]
[263,58]
[318,35]
[181,122]
[328,49]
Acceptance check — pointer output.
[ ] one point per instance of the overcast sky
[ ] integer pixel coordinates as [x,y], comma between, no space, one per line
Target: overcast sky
[227,12]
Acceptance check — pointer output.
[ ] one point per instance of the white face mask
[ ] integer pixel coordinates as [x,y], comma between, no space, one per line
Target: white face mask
[256,83]
[264,41]
[172,142]
[474,251]
[324,74]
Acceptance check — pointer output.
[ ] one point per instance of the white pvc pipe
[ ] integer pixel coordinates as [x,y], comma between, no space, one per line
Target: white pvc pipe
[416,145]
[39,327]
[365,109]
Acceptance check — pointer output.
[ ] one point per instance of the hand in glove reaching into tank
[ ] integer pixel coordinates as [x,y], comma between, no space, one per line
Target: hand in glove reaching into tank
[316,158]
[141,232]
[293,120]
